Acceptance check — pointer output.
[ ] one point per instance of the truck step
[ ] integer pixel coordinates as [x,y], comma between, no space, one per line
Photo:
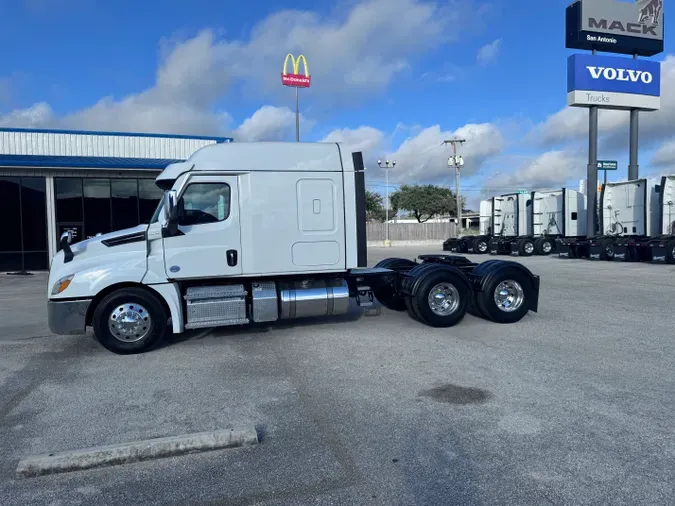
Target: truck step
[364,296]
[214,306]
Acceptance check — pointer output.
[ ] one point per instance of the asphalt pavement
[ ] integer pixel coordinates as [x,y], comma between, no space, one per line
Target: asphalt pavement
[572,405]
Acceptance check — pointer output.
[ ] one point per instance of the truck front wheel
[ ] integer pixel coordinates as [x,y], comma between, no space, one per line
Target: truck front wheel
[129,320]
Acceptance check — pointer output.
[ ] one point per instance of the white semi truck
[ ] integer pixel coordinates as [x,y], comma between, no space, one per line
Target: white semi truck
[259,232]
[525,224]
[508,218]
[636,222]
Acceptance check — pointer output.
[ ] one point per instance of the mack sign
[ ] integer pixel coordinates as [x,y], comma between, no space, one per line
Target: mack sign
[615,26]
[613,82]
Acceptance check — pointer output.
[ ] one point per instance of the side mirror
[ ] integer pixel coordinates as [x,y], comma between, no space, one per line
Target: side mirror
[170,203]
[171,212]
[65,240]
[66,237]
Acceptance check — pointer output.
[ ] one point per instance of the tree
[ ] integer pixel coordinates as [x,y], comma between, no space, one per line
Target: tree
[375,207]
[373,204]
[425,201]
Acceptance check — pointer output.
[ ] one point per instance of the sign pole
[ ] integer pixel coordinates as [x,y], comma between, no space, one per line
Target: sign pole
[633,167]
[296,80]
[297,116]
[592,170]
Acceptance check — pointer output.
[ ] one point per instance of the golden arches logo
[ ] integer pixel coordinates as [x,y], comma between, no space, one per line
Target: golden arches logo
[295,79]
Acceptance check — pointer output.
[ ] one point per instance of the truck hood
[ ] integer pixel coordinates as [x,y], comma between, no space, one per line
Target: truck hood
[98,257]
[127,236]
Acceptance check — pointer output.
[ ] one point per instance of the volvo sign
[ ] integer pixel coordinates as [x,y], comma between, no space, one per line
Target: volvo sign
[613,82]
[615,26]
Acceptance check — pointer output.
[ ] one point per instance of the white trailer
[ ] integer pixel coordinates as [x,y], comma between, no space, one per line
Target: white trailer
[260,232]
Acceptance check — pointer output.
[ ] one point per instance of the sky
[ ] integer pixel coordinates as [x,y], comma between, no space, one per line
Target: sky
[390,78]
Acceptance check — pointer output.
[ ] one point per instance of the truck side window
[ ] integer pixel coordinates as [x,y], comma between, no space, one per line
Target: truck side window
[204,203]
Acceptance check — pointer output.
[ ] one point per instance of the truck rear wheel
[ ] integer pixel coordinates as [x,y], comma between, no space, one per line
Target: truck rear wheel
[442,299]
[129,320]
[607,249]
[505,298]
[544,246]
[385,294]
[526,247]
[670,252]
[480,246]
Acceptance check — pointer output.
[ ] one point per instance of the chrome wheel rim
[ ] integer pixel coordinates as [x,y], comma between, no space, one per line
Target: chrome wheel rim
[482,246]
[609,249]
[529,247]
[546,247]
[509,296]
[443,299]
[129,322]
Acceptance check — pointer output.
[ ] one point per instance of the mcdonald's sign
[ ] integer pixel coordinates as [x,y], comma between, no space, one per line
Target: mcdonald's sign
[296,79]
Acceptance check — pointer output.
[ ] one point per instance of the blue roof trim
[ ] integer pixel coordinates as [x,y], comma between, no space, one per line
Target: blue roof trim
[84,162]
[116,134]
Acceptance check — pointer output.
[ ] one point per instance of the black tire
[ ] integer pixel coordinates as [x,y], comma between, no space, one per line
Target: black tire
[411,310]
[544,246]
[385,293]
[420,302]
[151,309]
[607,252]
[526,247]
[480,246]
[670,252]
[486,298]
[474,307]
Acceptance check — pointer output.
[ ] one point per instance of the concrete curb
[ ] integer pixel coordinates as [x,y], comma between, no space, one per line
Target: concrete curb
[125,453]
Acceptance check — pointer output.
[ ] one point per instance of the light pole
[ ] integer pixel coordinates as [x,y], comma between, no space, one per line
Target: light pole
[387,166]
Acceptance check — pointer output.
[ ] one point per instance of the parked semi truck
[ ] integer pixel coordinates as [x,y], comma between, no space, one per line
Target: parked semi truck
[260,232]
[508,217]
[554,214]
[472,243]
[525,224]
[636,222]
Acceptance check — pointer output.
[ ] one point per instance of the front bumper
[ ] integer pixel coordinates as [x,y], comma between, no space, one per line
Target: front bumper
[67,317]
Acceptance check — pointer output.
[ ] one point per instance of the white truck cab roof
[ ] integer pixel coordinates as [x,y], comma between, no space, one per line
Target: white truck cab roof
[262,157]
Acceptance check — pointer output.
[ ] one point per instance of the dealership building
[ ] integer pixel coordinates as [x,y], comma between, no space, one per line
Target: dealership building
[88,182]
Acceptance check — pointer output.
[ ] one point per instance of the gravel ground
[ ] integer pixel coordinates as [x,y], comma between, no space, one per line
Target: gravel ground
[572,405]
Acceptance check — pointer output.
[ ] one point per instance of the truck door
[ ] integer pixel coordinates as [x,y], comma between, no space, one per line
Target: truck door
[208,242]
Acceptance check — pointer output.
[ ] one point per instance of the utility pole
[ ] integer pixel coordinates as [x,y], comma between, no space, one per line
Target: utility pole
[456,162]
[387,165]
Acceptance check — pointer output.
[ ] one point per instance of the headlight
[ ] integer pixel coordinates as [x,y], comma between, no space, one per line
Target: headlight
[62,284]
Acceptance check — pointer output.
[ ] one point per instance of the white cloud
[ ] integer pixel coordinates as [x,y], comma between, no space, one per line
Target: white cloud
[36,116]
[665,155]
[571,123]
[370,141]
[353,51]
[271,123]
[549,170]
[362,49]
[489,52]
[421,157]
